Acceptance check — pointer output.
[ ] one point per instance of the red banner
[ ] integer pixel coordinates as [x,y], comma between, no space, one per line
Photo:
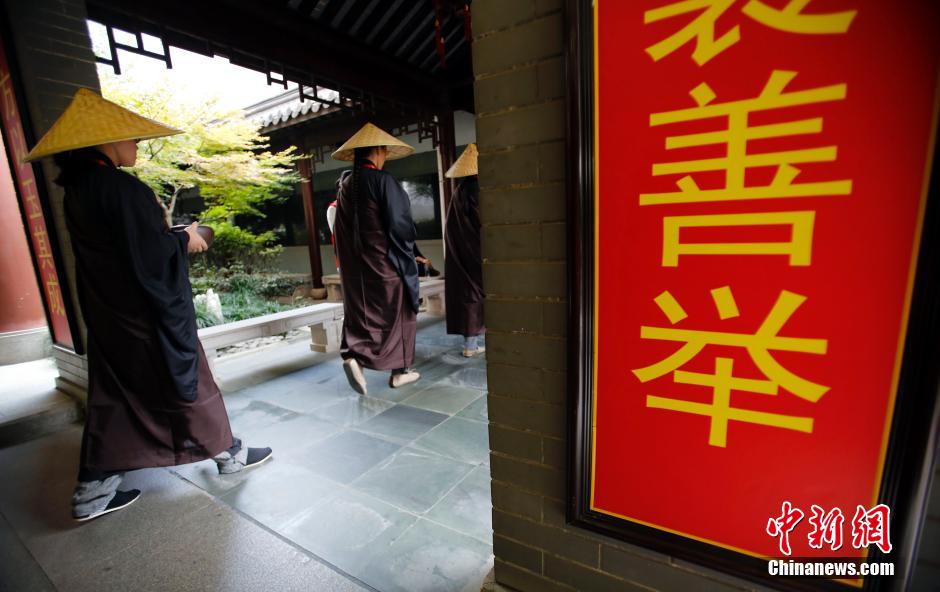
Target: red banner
[761,171]
[40,241]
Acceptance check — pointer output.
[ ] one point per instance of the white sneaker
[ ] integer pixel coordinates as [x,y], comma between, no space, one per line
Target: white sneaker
[469,353]
[397,380]
[354,375]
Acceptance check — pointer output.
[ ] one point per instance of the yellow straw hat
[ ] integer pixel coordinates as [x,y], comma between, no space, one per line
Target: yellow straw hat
[90,120]
[466,165]
[371,135]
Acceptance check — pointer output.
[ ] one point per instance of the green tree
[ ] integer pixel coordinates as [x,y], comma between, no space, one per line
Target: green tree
[221,153]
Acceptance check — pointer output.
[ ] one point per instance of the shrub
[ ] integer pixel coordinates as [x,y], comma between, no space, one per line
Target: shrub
[236,246]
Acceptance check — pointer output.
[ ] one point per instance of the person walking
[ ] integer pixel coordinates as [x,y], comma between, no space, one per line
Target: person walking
[152,400]
[463,260]
[375,237]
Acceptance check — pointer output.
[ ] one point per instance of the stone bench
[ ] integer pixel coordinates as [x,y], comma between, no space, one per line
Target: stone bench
[319,317]
[325,321]
[432,289]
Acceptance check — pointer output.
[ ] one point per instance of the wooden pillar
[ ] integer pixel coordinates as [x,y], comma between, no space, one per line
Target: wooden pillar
[446,155]
[307,169]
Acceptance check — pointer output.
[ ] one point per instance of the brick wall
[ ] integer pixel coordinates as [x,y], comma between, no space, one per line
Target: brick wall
[520,101]
[54,56]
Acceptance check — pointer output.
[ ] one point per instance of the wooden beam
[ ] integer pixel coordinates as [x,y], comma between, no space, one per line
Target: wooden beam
[447,152]
[306,169]
[256,31]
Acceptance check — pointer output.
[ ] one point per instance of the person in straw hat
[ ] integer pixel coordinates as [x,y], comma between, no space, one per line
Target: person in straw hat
[375,237]
[152,400]
[463,264]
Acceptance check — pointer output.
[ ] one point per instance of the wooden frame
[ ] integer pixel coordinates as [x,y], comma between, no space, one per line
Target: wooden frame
[915,432]
[29,137]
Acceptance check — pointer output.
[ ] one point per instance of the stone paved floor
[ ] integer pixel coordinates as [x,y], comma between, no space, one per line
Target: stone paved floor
[389,491]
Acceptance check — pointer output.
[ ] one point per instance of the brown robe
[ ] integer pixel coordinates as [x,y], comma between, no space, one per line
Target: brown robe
[152,400]
[463,263]
[379,276]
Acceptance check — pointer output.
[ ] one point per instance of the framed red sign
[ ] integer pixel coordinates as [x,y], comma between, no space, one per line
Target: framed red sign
[754,278]
[42,238]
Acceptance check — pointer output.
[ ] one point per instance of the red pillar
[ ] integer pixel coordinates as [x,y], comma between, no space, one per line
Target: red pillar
[20,303]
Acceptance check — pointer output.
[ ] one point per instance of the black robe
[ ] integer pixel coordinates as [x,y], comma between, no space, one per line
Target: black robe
[380,281]
[152,400]
[463,261]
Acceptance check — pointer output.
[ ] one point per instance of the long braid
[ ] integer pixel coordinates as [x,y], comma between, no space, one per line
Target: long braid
[358,160]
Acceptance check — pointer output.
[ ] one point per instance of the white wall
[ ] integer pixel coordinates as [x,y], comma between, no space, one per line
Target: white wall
[296,259]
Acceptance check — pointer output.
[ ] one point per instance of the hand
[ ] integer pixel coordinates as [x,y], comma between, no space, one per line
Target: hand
[423,261]
[197,244]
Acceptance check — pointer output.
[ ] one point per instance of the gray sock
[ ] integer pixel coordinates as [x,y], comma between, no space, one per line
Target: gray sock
[232,460]
[91,497]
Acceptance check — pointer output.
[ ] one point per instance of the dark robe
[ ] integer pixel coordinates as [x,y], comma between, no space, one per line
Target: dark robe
[152,400]
[380,281]
[463,261]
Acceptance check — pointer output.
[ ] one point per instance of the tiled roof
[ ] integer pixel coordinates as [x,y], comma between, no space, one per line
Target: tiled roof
[287,106]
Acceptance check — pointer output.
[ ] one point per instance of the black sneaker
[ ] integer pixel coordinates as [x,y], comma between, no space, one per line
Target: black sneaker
[121,500]
[256,456]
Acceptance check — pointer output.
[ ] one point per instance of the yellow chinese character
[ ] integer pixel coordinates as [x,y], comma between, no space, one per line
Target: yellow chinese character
[799,248]
[758,345]
[702,29]
[736,138]
[792,20]
[42,249]
[17,144]
[54,295]
[722,382]
[31,200]
[6,88]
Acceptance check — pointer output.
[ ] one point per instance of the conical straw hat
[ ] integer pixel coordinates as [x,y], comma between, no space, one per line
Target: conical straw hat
[466,165]
[90,120]
[371,135]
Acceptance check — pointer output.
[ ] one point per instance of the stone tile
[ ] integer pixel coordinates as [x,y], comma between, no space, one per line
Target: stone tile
[260,366]
[257,415]
[352,412]
[377,385]
[458,438]
[18,569]
[319,373]
[291,438]
[467,507]
[455,358]
[426,351]
[477,410]
[348,455]
[471,377]
[412,480]
[303,397]
[22,403]
[402,424]
[279,492]
[443,398]
[431,558]
[205,475]
[62,546]
[215,550]
[236,401]
[436,336]
[349,529]
[431,371]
